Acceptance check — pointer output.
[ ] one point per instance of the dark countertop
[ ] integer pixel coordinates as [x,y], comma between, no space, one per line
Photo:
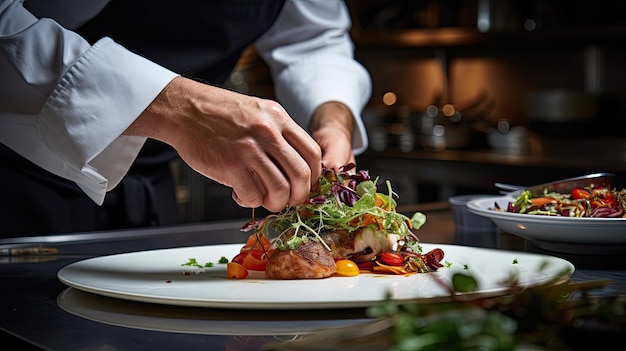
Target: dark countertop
[30,313]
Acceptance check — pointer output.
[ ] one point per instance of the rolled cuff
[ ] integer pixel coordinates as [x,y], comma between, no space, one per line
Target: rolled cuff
[94,103]
[304,86]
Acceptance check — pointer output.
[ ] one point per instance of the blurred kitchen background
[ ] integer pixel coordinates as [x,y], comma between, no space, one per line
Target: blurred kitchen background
[467,93]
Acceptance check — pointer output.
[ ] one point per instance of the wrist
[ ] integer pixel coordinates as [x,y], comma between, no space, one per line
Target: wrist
[159,114]
[179,109]
[332,115]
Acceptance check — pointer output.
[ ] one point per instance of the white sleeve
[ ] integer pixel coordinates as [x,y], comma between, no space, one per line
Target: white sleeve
[311,58]
[64,104]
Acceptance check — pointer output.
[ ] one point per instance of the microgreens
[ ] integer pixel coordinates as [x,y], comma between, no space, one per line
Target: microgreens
[343,200]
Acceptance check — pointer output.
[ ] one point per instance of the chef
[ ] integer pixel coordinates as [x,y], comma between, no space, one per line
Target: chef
[97,97]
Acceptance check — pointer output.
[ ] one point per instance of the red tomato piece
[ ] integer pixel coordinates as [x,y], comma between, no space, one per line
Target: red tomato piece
[391,258]
[580,193]
[611,200]
[366,266]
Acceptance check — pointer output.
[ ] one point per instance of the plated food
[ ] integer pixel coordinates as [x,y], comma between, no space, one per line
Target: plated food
[588,201]
[577,235]
[345,226]
[155,276]
[582,215]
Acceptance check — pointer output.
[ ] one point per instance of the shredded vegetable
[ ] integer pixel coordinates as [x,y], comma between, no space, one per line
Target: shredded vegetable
[348,201]
[579,202]
[343,200]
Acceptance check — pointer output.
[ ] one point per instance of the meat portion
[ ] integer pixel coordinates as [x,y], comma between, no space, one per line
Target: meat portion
[310,260]
[360,245]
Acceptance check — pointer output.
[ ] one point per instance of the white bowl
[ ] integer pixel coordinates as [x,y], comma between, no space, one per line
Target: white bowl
[556,233]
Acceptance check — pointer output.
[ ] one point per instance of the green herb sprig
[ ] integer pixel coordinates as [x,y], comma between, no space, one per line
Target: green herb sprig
[540,317]
[342,201]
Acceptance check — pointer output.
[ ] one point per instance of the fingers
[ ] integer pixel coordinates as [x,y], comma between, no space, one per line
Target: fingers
[332,126]
[276,177]
[249,144]
[306,174]
[334,158]
[273,173]
[336,147]
[248,191]
[297,157]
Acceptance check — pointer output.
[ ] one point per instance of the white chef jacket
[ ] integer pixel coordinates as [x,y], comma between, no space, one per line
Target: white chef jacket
[64,103]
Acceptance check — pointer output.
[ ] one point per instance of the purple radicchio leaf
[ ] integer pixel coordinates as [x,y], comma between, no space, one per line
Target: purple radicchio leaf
[317,200]
[344,195]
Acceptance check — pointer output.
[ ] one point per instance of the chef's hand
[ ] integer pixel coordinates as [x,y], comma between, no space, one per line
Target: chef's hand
[331,126]
[249,144]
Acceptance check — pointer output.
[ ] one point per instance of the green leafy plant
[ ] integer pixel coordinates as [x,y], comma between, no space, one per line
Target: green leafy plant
[540,317]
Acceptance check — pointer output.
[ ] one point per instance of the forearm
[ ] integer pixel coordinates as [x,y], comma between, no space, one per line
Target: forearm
[185,107]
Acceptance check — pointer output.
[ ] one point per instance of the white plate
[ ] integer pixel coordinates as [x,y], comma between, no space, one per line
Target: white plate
[205,321]
[157,276]
[561,234]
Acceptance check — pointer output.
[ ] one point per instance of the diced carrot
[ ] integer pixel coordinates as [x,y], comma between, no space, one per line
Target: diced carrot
[383,268]
[253,263]
[368,219]
[240,256]
[251,241]
[252,256]
[258,241]
[540,201]
[236,270]
[379,201]
[265,242]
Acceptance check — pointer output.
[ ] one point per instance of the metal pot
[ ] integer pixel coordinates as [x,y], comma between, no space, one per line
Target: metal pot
[437,131]
[562,111]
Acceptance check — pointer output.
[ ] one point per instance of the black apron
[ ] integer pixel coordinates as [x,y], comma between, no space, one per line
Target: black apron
[201,39]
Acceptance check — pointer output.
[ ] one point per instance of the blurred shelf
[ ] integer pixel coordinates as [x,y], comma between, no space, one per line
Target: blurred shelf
[487,157]
[430,176]
[367,39]
[580,153]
